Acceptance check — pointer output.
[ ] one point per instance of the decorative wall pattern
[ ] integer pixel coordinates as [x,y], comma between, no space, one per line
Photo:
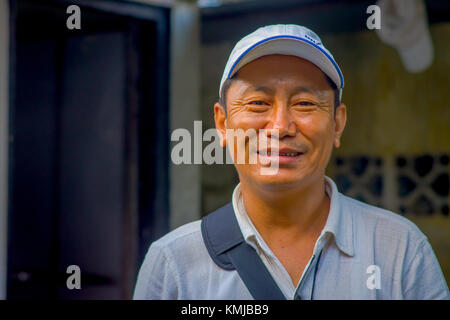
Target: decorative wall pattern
[360,178]
[421,185]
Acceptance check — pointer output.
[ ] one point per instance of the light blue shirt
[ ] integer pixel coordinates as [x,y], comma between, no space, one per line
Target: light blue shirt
[363,252]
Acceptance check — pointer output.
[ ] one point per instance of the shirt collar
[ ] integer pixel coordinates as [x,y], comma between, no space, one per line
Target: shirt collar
[247,228]
[339,223]
[249,231]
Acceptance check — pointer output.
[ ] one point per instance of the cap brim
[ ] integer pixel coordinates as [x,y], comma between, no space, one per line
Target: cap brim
[293,47]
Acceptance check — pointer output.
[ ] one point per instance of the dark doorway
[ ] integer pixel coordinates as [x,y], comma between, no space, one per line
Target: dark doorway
[89,155]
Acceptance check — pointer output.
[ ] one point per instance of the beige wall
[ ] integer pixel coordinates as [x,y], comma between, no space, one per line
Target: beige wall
[390,110]
[185,192]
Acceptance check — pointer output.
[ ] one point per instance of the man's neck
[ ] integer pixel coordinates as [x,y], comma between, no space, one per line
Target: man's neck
[287,214]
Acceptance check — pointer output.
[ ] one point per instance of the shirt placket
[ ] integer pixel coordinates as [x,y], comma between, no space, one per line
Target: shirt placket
[272,263]
[305,287]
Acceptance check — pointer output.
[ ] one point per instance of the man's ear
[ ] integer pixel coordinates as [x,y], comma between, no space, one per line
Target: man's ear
[339,124]
[221,125]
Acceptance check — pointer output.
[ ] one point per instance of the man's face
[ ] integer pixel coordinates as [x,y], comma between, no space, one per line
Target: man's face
[291,97]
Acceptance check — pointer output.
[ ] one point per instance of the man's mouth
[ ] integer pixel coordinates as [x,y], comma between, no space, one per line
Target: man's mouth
[281,155]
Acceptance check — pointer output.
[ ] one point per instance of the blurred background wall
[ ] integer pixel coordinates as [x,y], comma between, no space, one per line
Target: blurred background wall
[86,117]
[4,137]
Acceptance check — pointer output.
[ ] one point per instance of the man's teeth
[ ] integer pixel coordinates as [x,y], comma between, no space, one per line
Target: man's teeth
[284,154]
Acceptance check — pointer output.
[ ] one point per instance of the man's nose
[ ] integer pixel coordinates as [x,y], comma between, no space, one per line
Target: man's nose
[282,123]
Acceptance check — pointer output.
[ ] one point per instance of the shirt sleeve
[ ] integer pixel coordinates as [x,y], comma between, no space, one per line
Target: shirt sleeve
[423,279]
[156,280]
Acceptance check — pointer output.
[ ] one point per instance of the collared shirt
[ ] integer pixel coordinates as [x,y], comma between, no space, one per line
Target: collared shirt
[363,252]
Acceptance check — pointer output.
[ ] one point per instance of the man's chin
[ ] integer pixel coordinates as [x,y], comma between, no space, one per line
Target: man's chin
[279,180]
[276,177]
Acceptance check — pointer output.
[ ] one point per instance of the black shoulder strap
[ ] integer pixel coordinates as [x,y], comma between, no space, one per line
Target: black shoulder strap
[228,249]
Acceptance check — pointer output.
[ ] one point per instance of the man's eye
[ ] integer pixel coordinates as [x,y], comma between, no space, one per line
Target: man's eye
[305,103]
[258,103]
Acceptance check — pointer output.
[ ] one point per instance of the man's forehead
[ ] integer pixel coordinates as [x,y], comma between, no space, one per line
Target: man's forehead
[242,85]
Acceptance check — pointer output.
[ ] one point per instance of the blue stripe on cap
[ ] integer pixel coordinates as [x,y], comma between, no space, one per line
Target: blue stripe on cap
[292,37]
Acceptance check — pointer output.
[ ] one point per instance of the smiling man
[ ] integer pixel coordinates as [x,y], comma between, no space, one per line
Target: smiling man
[289,234]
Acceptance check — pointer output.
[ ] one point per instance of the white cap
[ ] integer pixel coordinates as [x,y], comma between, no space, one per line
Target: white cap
[286,39]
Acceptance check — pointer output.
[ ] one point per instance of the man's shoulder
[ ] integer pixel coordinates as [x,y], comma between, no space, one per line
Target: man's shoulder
[182,241]
[184,235]
[384,222]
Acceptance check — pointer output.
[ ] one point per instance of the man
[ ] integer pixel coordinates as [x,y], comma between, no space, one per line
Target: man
[313,242]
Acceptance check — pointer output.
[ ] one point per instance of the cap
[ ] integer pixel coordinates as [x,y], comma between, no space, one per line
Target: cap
[285,39]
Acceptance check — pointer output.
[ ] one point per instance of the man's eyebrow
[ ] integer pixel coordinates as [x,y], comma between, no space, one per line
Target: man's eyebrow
[264,89]
[301,89]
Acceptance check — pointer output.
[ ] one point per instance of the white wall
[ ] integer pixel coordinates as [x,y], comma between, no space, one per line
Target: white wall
[4,67]
[185,182]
